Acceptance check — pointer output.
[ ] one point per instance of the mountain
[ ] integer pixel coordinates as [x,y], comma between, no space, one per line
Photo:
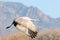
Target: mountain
[58,19]
[10,10]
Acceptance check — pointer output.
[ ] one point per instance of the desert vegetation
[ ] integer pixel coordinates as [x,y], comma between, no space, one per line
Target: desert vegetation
[48,34]
[18,36]
[1,38]
[52,34]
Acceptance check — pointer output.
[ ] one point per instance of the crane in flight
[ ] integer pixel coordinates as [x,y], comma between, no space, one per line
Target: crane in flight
[25,25]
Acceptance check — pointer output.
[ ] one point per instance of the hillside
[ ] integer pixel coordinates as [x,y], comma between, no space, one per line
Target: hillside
[47,34]
[9,11]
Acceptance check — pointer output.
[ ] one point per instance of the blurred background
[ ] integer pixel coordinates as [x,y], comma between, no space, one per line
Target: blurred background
[48,11]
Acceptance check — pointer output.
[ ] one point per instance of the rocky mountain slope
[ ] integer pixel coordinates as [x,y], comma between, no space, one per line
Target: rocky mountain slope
[9,11]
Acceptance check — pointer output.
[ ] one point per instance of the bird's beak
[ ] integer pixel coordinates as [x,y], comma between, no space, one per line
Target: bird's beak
[10,25]
[7,27]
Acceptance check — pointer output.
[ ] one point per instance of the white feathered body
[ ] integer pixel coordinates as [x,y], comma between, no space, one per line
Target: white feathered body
[25,24]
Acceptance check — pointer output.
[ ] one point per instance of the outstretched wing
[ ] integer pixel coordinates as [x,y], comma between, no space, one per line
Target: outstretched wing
[32,33]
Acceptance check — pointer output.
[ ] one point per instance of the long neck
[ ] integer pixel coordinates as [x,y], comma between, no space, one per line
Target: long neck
[10,25]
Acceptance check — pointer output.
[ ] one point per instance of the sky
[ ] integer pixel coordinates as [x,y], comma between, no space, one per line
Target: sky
[49,7]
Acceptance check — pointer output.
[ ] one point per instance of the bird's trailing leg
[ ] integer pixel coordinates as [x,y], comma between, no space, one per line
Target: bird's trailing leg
[35,20]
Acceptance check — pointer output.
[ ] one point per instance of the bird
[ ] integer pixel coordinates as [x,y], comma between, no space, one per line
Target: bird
[25,25]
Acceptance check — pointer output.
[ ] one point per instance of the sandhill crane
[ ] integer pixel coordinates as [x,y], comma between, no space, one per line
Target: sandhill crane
[25,25]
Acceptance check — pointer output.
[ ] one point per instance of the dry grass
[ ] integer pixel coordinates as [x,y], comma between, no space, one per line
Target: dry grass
[52,34]
[0,38]
[18,36]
